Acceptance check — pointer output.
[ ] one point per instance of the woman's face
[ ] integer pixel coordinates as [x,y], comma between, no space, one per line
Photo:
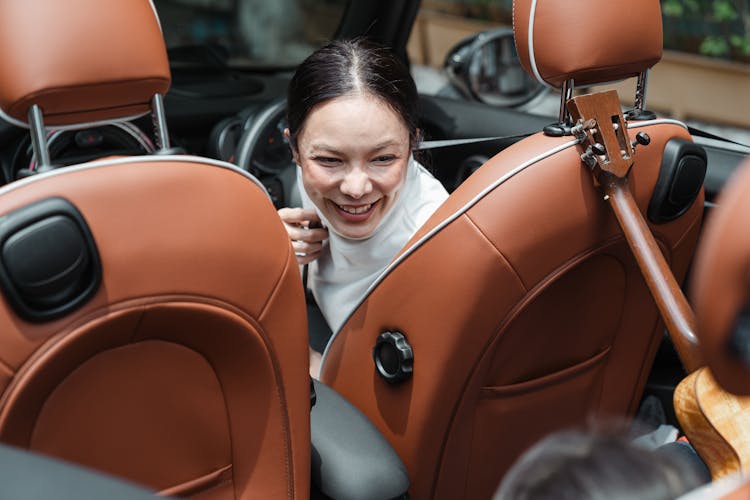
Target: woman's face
[353,151]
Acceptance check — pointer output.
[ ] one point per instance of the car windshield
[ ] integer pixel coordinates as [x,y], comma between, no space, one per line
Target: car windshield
[247,33]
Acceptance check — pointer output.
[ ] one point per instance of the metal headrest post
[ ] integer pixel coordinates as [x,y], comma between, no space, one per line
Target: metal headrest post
[640,92]
[160,122]
[566,93]
[639,111]
[562,127]
[39,139]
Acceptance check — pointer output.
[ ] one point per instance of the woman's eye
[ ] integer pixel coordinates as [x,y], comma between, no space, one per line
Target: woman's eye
[327,160]
[384,159]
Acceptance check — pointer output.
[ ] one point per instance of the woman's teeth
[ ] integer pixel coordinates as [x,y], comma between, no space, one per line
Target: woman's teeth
[355,210]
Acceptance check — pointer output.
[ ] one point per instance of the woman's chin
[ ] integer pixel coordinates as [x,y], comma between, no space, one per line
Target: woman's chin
[354,231]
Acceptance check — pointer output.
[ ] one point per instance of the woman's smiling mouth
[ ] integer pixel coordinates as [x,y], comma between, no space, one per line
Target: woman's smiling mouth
[355,209]
[355,213]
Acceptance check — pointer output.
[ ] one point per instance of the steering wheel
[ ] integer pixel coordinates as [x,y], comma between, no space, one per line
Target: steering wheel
[261,133]
[256,130]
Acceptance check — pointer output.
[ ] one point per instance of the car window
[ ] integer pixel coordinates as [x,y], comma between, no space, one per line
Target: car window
[255,33]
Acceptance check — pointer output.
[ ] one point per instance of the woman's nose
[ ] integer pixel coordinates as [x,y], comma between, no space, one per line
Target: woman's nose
[356,183]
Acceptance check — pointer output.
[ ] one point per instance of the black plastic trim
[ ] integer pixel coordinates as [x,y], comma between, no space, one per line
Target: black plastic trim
[48,308]
[641,115]
[681,176]
[557,130]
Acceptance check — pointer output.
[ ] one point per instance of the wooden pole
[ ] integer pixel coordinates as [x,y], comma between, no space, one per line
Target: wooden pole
[673,306]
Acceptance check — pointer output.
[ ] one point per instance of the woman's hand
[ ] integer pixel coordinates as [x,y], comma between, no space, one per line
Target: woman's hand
[307,240]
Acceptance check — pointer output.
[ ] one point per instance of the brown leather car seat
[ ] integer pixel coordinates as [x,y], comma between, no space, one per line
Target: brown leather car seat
[721,295]
[519,300]
[152,320]
[721,287]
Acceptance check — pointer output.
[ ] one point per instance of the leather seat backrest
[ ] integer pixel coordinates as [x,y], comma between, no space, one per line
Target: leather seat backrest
[520,298]
[185,367]
[721,287]
[720,293]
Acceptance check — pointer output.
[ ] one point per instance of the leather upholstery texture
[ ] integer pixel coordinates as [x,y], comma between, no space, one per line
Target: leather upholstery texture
[187,370]
[110,69]
[721,284]
[592,42]
[526,313]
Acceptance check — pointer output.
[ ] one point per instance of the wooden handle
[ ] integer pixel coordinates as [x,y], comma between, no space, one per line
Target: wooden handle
[673,306]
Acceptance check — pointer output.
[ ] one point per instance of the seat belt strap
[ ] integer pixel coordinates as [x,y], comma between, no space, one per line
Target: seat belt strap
[708,135]
[425,145]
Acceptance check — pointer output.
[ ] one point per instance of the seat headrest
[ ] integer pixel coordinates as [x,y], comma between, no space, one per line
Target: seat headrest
[721,286]
[588,41]
[81,61]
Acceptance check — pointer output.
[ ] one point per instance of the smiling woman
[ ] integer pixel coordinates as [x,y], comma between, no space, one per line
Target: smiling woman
[353,170]
[352,129]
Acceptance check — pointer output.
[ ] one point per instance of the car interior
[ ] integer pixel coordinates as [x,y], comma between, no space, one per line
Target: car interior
[153,321]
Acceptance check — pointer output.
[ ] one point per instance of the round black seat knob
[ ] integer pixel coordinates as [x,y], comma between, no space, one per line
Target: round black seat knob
[393,356]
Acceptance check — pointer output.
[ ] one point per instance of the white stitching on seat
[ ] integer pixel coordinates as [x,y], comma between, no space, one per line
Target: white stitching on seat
[133,159]
[156,15]
[532,58]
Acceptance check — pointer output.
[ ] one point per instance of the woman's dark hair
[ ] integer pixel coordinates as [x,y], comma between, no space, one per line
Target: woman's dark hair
[597,466]
[351,67]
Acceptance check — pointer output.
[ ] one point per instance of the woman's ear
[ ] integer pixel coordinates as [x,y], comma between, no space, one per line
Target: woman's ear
[292,147]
